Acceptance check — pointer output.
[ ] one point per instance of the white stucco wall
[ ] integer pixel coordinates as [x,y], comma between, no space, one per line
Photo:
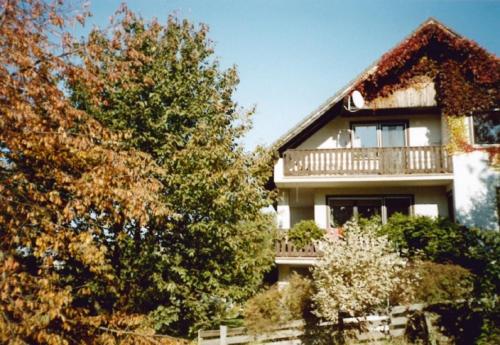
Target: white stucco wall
[429,200]
[474,190]
[283,210]
[301,213]
[423,130]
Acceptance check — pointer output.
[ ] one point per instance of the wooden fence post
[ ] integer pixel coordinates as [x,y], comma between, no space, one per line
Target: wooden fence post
[223,335]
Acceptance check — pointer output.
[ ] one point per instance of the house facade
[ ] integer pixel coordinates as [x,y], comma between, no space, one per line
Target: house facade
[389,154]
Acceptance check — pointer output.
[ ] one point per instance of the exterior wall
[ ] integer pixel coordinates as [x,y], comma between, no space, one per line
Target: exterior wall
[423,130]
[421,92]
[474,190]
[294,205]
[283,210]
[301,213]
[285,271]
[428,201]
[309,203]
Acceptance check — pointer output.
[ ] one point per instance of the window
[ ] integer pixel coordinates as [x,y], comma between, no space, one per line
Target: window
[368,208]
[365,136]
[393,135]
[486,128]
[343,209]
[380,134]
[498,205]
[397,204]
[451,205]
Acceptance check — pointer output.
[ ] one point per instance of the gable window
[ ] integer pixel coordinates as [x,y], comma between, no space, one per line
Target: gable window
[486,128]
[365,135]
[342,209]
[392,135]
[379,134]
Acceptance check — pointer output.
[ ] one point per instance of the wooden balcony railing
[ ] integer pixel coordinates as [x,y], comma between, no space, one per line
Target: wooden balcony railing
[368,161]
[287,249]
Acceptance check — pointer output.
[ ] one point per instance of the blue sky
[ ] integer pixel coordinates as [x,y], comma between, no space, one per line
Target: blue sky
[292,55]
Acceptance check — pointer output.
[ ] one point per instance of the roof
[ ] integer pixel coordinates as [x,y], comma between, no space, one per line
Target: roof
[310,120]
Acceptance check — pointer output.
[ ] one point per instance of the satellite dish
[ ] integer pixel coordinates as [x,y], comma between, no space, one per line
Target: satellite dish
[357,99]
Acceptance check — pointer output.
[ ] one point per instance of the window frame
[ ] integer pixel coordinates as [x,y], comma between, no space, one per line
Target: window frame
[382,197]
[471,131]
[379,124]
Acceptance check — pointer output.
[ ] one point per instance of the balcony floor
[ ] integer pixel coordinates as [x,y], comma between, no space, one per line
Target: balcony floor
[364,180]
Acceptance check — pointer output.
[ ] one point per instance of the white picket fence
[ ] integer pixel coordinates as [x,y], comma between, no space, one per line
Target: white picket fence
[377,327]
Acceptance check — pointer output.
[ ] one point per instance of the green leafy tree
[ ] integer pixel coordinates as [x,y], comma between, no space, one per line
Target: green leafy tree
[162,85]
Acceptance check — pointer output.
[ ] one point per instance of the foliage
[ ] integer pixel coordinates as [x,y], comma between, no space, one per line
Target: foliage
[162,84]
[482,259]
[435,239]
[442,241]
[466,76]
[66,185]
[356,272]
[467,323]
[442,282]
[304,233]
[273,306]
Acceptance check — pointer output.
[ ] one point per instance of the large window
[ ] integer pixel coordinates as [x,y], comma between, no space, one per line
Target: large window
[379,134]
[343,209]
[486,128]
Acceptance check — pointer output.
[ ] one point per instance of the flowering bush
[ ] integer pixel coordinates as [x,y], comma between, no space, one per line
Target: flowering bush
[357,272]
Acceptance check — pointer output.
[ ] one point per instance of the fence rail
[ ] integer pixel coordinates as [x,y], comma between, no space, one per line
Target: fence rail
[375,328]
[368,161]
[285,248]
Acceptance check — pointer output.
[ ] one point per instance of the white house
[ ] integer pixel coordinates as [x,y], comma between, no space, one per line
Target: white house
[390,154]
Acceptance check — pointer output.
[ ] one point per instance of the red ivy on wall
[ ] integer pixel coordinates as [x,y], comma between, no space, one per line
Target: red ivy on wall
[466,76]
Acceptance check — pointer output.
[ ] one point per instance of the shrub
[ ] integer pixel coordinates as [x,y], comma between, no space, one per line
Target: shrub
[263,310]
[437,239]
[442,241]
[356,273]
[435,283]
[297,296]
[443,282]
[273,307]
[304,233]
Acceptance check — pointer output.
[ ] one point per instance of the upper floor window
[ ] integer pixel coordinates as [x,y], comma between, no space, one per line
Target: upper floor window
[379,134]
[486,128]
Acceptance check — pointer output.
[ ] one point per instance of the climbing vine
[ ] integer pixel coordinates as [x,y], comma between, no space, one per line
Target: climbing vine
[466,77]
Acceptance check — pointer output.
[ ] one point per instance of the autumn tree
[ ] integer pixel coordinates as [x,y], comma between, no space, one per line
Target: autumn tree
[68,188]
[163,85]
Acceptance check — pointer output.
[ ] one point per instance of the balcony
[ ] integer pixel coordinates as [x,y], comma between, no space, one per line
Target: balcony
[419,160]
